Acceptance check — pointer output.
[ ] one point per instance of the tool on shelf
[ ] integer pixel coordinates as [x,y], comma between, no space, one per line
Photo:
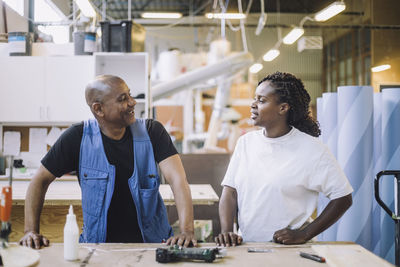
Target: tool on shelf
[176,253]
[395,215]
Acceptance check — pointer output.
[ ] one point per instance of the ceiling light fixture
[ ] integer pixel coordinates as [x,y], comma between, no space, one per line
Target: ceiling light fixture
[271,55]
[293,35]
[380,68]
[256,68]
[161,15]
[225,15]
[330,11]
[86,8]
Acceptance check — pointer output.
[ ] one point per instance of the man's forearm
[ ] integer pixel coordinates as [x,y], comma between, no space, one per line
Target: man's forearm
[183,200]
[34,204]
[333,211]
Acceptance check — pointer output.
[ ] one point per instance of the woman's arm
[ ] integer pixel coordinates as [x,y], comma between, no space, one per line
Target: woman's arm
[333,211]
[227,213]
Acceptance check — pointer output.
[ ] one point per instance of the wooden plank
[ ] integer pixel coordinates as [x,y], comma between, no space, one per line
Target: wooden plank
[202,194]
[69,193]
[349,255]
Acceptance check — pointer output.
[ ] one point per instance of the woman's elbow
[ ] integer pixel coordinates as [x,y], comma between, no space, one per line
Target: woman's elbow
[347,201]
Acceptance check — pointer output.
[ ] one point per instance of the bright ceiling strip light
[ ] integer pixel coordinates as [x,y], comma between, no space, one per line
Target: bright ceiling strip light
[161,15]
[225,15]
[256,68]
[86,8]
[293,35]
[271,55]
[380,68]
[330,11]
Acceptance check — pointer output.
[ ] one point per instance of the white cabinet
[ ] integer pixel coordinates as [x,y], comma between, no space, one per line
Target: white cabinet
[22,89]
[52,89]
[66,80]
[133,68]
[44,89]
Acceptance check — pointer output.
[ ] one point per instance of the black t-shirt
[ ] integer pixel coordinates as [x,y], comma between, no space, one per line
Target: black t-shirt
[63,157]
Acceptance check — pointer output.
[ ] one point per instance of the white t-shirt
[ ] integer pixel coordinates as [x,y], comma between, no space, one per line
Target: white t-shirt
[278,180]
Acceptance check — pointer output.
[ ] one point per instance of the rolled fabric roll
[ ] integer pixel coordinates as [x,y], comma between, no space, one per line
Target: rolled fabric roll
[321,199]
[376,209]
[329,113]
[329,137]
[320,104]
[355,155]
[390,161]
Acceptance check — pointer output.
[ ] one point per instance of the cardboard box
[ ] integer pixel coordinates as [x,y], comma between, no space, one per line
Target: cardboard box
[202,230]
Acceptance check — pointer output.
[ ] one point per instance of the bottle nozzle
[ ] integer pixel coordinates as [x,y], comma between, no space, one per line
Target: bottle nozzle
[71,210]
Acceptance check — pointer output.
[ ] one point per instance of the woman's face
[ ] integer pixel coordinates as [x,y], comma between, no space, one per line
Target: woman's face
[266,111]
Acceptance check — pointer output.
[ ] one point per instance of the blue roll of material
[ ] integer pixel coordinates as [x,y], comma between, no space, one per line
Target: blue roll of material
[329,113]
[321,198]
[329,137]
[376,209]
[319,113]
[390,161]
[355,155]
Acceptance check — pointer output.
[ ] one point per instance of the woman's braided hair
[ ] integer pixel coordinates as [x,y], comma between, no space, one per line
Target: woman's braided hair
[290,89]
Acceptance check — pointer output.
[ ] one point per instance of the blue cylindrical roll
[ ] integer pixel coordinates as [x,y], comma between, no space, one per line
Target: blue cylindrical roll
[355,155]
[329,113]
[321,198]
[376,209]
[329,137]
[319,113]
[390,161]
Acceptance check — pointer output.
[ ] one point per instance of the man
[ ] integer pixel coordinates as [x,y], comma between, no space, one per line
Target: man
[115,158]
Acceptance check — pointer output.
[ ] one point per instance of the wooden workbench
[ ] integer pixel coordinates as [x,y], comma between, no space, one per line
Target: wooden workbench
[337,254]
[66,192]
[62,193]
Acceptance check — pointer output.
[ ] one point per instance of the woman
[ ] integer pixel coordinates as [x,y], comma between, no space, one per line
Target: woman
[276,173]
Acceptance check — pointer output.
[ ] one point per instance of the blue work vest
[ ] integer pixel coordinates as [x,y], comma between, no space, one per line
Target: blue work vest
[97,179]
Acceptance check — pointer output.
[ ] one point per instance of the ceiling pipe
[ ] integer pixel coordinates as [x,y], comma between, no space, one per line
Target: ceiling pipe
[227,66]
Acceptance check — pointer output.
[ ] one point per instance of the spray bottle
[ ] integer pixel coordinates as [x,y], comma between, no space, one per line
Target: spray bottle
[71,236]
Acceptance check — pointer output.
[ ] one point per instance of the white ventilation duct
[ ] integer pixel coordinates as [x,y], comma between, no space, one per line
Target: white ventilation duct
[227,66]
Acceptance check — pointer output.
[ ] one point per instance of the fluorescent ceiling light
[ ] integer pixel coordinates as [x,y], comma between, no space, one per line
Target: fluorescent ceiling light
[271,55]
[293,35]
[225,15]
[86,8]
[161,15]
[256,67]
[380,68]
[330,11]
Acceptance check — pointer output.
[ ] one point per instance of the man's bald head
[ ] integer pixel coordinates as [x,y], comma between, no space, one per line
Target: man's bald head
[100,87]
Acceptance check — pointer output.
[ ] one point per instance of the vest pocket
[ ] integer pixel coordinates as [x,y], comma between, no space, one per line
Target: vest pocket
[149,181]
[93,186]
[157,229]
[149,202]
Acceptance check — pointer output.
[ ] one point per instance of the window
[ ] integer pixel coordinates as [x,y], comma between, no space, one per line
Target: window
[46,13]
[17,5]
[347,60]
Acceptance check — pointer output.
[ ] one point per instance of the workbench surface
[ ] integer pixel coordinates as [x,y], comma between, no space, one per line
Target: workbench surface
[68,192]
[63,193]
[338,254]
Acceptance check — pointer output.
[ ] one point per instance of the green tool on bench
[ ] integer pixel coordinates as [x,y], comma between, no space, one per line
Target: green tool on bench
[176,253]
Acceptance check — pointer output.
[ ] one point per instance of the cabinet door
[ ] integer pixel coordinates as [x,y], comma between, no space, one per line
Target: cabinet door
[133,69]
[22,89]
[66,79]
